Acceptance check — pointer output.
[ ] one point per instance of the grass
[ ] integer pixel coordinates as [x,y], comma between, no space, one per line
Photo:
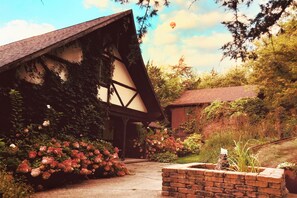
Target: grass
[188,159]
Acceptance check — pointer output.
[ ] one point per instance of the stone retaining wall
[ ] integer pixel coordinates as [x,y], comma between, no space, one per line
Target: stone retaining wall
[201,180]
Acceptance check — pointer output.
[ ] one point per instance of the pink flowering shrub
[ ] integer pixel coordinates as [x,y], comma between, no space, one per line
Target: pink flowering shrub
[159,142]
[80,158]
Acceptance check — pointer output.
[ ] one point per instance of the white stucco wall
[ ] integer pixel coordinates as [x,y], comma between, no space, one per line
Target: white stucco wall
[31,74]
[72,53]
[58,68]
[122,75]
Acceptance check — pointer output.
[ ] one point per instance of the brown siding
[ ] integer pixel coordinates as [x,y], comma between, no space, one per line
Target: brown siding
[178,116]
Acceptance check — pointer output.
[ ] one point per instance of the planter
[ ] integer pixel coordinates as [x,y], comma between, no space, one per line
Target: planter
[201,180]
[291,181]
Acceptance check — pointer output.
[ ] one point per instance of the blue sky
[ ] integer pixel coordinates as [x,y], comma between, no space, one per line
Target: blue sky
[198,34]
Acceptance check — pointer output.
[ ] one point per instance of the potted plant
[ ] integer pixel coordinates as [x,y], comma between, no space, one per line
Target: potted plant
[291,175]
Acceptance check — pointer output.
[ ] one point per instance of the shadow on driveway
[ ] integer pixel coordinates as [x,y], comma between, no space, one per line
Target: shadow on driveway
[145,181]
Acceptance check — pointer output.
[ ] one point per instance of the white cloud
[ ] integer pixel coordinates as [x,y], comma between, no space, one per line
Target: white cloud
[213,41]
[164,34]
[196,37]
[20,29]
[186,19]
[96,3]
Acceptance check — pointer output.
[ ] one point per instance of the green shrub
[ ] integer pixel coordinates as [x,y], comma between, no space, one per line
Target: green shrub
[193,143]
[159,142]
[164,157]
[254,108]
[216,110]
[211,150]
[11,188]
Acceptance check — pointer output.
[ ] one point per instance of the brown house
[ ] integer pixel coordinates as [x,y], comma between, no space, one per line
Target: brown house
[191,103]
[130,94]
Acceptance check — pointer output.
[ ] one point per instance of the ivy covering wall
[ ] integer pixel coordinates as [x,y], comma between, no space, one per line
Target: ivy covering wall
[71,106]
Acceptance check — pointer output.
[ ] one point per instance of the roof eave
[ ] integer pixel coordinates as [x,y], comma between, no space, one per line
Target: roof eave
[40,52]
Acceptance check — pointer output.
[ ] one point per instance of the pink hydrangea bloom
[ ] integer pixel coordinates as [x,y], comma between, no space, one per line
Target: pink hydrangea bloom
[46,175]
[47,160]
[35,172]
[42,148]
[96,152]
[24,167]
[32,154]
[75,145]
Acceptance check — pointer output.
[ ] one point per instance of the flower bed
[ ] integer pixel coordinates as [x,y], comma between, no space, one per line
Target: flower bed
[59,162]
[201,180]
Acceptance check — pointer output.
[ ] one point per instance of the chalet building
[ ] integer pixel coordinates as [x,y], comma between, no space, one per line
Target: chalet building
[129,94]
[192,102]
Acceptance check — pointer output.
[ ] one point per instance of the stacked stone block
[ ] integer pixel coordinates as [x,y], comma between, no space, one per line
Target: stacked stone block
[201,180]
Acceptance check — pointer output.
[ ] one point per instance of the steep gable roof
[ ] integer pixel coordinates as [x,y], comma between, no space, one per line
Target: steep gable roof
[13,54]
[27,49]
[200,96]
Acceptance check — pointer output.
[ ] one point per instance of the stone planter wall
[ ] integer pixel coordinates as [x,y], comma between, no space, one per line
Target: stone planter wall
[201,180]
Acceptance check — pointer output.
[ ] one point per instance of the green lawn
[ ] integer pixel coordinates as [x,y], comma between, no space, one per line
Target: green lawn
[188,159]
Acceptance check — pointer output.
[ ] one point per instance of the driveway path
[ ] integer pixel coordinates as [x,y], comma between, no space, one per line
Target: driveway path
[145,181]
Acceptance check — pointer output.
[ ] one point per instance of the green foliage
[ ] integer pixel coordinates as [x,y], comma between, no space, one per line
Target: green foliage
[193,143]
[17,110]
[225,137]
[74,103]
[167,89]
[241,159]
[53,118]
[189,127]
[164,157]
[216,110]
[254,108]
[237,76]
[11,188]
[288,166]
[274,68]
[169,85]
[159,142]
[290,129]
[210,151]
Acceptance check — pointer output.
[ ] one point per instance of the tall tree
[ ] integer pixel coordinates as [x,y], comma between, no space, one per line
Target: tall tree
[275,68]
[169,85]
[234,77]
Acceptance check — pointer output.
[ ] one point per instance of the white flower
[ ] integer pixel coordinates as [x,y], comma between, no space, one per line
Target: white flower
[35,172]
[48,106]
[12,146]
[46,123]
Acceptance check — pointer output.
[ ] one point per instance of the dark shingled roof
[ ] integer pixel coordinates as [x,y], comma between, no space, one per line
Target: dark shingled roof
[27,49]
[200,96]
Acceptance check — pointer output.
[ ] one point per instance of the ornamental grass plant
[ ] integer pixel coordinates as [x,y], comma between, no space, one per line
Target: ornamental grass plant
[241,158]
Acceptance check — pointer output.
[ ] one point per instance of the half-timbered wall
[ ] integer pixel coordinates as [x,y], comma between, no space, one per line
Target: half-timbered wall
[124,92]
